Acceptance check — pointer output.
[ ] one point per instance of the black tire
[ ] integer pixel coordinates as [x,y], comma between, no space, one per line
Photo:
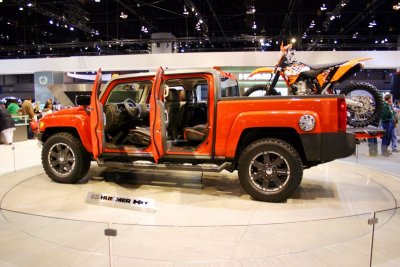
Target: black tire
[372,101]
[65,159]
[270,170]
[260,90]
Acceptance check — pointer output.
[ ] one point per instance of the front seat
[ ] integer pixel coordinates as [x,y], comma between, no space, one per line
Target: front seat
[172,107]
[195,134]
[185,114]
[139,137]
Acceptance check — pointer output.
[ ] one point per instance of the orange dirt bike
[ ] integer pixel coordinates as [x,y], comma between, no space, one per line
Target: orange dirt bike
[364,102]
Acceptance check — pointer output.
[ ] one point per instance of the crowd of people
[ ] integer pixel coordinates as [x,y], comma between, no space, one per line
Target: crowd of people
[12,109]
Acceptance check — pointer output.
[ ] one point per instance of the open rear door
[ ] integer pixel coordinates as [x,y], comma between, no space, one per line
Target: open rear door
[156,116]
[96,118]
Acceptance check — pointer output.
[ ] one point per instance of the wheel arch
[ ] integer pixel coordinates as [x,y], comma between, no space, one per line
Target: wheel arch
[50,131]
[251,135]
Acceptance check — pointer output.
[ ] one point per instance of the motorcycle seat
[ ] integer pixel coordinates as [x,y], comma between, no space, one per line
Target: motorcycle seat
[322,67]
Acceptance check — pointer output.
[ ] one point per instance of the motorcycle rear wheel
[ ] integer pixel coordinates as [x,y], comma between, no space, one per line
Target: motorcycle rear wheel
[260,90]
[371,110]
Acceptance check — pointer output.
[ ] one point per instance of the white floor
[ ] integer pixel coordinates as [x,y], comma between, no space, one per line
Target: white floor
[200,219]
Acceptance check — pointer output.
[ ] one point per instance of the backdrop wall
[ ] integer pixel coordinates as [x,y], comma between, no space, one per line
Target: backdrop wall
[381,59]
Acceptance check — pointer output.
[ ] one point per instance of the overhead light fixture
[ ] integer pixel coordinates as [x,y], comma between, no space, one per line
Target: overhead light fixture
[396,6]
[323,7]
[21,8]
[71,28]
[372,24]
[254,25]
[293,40]
[97,1]
[51,22]
[251,10]
[332,17]
[185,12]
[123,15]
[312,25]
[29,4]
[144,29]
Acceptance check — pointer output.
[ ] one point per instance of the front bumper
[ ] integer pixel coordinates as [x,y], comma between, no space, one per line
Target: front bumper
[328,146]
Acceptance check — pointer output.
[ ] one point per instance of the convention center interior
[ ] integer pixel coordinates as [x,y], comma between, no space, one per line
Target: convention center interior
[194,133]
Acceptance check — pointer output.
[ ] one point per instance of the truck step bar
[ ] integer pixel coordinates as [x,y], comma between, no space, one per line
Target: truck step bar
[145,165]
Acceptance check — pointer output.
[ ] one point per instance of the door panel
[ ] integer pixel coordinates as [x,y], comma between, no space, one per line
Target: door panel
[96,119]
[156,116]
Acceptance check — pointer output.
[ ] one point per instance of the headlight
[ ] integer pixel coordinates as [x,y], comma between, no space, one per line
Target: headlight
[307,123]
[41,125]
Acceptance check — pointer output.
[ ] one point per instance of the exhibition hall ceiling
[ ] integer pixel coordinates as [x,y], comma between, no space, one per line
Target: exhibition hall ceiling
[108,27]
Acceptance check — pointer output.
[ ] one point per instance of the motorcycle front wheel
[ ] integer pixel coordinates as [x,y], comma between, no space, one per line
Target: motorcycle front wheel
[260,90]
[368,107]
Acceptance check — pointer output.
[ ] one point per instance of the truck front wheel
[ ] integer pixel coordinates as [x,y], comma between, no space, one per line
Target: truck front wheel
[270,170]
[64,158]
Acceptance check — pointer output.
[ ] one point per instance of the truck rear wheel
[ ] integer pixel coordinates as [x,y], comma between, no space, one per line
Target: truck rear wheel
[64,158]
[270,170]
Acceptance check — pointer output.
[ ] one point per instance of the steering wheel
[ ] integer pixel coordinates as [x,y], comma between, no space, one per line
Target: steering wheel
[132,108]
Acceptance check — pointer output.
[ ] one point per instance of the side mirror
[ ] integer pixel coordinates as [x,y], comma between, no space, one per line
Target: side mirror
[82,100]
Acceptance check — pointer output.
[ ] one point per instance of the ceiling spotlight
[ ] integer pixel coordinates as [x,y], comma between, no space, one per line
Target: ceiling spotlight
[293,40]
[144,29]
[251,10]
[332,17]
[254,25]
[21,8]
[396,6]
[51,22]
[372,24]
[97,1]
[71,28]
[29,4]
[185,12]
[323,7]
[123,15]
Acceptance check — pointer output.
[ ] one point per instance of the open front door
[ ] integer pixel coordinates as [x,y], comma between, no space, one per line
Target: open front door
[156,116]
[96,118]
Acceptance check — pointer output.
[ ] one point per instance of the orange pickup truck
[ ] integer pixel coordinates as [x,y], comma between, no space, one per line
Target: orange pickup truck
[196,120]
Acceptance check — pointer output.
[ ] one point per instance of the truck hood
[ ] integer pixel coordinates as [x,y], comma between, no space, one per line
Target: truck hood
[68,111]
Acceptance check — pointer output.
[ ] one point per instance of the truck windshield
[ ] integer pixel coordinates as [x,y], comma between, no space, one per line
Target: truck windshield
[133,91]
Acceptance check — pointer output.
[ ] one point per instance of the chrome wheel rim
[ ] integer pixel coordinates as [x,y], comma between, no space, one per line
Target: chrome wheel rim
[269,171]
[61,159]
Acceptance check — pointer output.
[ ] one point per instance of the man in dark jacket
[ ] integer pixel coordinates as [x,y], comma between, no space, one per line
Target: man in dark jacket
[387,119]
[7,126]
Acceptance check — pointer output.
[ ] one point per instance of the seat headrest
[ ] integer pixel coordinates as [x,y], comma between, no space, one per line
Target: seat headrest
[186,95]
[172,96]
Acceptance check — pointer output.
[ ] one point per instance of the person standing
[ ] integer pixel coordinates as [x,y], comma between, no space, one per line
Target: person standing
[27,109]
[48,107]
[13,108]
[7,127]
[394,135]
[387,119]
